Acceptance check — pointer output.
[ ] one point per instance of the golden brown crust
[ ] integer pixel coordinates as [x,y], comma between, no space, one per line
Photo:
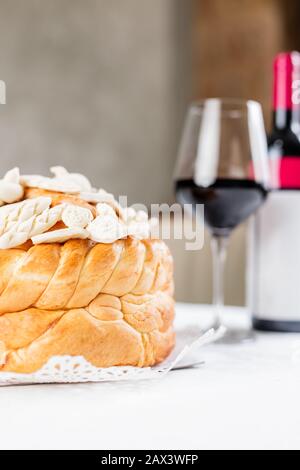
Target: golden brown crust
[111,303]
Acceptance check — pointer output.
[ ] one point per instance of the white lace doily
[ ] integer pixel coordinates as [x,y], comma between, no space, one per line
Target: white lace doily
[72,369]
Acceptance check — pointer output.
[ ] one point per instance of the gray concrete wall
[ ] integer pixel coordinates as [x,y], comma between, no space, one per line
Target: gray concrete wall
[94,85]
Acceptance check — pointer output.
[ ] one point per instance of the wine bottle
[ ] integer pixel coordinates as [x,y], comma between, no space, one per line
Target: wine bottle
[275,245]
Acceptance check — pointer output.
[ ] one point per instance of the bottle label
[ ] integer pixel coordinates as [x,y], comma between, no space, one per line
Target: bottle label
[285,172]
[274,258]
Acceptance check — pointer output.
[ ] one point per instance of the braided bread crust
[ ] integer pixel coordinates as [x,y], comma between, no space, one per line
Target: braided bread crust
[111,303]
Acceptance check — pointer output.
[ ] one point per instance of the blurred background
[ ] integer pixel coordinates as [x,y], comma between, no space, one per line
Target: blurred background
[102,87]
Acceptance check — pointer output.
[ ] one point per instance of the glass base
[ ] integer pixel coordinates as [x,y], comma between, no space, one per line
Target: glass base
[237,336]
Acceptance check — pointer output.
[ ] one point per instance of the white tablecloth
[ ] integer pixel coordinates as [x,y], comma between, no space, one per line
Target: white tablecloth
[245,396]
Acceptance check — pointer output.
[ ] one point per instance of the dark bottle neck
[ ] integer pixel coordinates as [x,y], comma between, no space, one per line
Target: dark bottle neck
[286,119]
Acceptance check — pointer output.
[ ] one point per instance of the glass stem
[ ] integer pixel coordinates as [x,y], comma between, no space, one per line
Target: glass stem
[219,250]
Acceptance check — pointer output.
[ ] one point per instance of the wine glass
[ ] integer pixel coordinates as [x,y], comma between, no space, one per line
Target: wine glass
[222,163]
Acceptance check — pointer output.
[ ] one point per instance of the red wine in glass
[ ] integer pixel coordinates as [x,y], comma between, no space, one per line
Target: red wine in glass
[227,202]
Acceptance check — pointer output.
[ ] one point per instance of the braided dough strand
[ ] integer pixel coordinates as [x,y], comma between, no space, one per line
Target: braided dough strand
[111,303]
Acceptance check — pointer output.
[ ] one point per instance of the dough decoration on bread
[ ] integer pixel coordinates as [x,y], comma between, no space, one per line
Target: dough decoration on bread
[75,178]
[60,236]
[106,229]
[10,188]
[138,223]
[79,275]
[80,206]
[12,215]
[102,197]
[61,185]
[75,216]
[19,233]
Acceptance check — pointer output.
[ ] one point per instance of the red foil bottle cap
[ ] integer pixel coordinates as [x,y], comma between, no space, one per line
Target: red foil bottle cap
[286,80]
